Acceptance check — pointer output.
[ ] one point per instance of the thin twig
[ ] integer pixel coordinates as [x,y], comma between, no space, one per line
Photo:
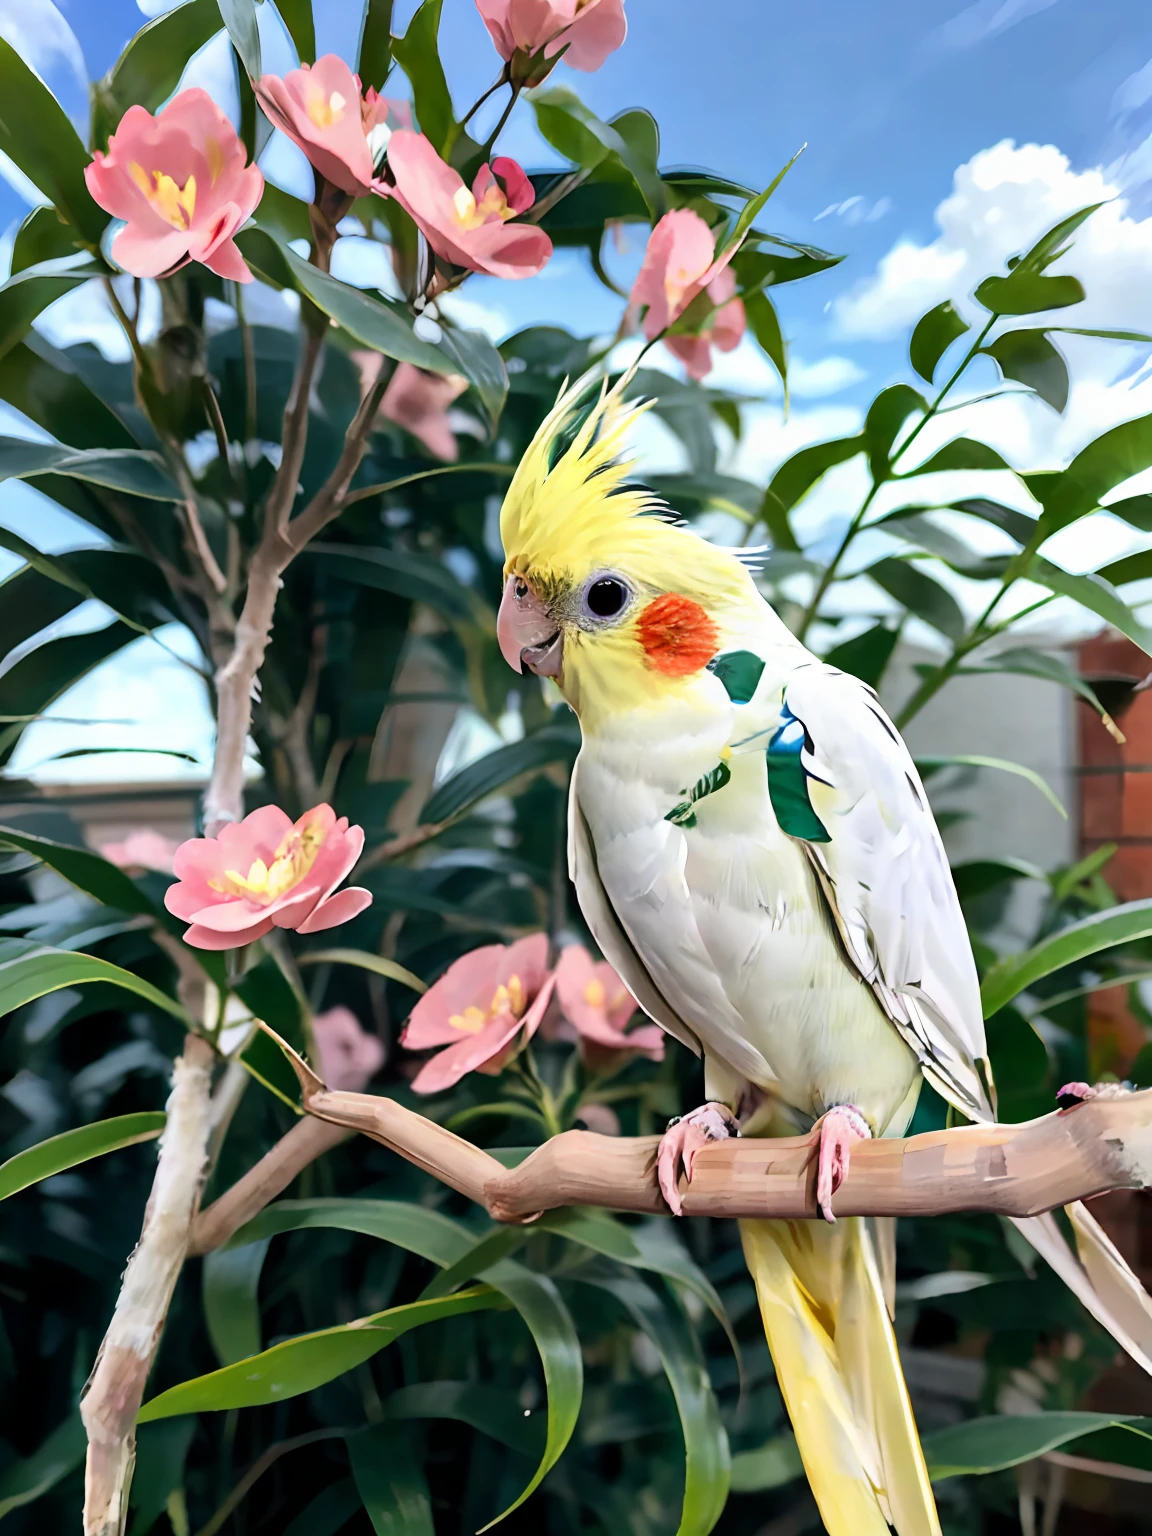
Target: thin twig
[365,491]
[303,1144]
[396,846]
[257,1470]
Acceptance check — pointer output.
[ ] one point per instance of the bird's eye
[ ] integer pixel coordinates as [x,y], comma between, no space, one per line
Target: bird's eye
[606,597]
[521,590]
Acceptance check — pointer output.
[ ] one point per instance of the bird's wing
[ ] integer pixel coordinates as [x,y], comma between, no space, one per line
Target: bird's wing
[606,929]
[845,779]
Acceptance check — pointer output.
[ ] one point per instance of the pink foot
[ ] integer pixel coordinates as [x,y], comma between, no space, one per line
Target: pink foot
[839,1128]
[681,1142]
[1073,1094]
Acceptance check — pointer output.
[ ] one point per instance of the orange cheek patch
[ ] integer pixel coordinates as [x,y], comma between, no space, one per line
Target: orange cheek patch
[677,635]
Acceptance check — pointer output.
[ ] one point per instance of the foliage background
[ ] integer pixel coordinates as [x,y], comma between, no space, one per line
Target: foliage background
[384,631]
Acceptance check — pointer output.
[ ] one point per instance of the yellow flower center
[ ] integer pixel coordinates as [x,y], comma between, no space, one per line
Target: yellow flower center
[266,883]
[174,204]
[470,214]
[325,110]
[508,997]
[594,993]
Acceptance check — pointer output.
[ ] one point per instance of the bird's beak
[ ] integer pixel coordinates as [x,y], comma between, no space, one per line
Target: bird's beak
[528,635]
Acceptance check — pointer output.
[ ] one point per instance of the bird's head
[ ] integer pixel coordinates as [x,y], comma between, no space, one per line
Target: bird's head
[604,591]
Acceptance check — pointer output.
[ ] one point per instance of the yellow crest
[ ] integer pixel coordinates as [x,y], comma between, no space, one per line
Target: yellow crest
[571,508]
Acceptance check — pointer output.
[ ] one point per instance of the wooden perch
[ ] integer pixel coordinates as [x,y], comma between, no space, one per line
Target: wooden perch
[1014,1170]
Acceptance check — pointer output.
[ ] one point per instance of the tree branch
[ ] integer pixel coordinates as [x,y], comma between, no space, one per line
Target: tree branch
[116,1387]
[1014,1170]
[304,1143]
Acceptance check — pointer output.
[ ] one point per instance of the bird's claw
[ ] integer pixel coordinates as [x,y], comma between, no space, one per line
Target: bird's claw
[839,1128]
[1073,1094]
[685,1137]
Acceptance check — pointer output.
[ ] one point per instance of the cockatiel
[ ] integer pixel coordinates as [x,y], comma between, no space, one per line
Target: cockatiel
[753,851]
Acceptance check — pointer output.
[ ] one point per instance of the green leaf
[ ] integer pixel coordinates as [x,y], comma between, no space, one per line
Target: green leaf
[25,1481]
[1135,510]
[297,17]
[886,415]
[765,323]
[1025,292]
[230,1282]
[37,135]
[960,453]
[149,69]
[29,970]
[407,573]
[1113,457]
[1005,1440]
[866,655]
[239,16]
[929,765]
[391,1481]
[40,677]
[43,236]
[378,964]
[72,1147]
[491,1410]
[707,1463]
[45,385]
[1017,525]
[769,1466]
[755,206]
[921,594]
[1137,567]
[934,334]
[1102,930]
[651,1246]
[1096,594]
[580,136]
[376,322]
[23,297]
[978,876]
[1054,242]
[161,1454]
[555,743]
[1027,662]
[267,992]
[303,1363]
[376,44]
[118,469]
[796,477]
[1031,359]
[329,1512]
[479,361]
[418,55]
[86,870]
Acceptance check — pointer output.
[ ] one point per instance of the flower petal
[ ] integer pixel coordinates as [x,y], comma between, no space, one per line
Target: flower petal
[331,911]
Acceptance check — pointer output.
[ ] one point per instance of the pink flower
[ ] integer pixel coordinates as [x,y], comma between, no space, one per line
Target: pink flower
[264,872]
[679,263]
[180,183]
[470,229]
[588,29]
[419,402]
[484,1009]
[144,849]
[343,132]
[349,1055]
[598,1006]
[723,328]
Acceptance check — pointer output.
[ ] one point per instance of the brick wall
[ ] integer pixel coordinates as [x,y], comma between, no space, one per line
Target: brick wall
[1115,794]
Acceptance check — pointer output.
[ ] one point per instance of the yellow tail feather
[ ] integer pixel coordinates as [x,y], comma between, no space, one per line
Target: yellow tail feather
[822,1301]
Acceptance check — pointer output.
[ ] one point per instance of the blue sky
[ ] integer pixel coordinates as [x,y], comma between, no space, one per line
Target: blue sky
[941,138]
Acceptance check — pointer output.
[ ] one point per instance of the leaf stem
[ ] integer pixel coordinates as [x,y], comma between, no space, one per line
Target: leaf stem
[829,573]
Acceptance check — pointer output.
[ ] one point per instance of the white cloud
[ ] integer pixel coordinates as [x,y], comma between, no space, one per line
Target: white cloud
[812,381]
[857,210]
[985,19]
[1001,201]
